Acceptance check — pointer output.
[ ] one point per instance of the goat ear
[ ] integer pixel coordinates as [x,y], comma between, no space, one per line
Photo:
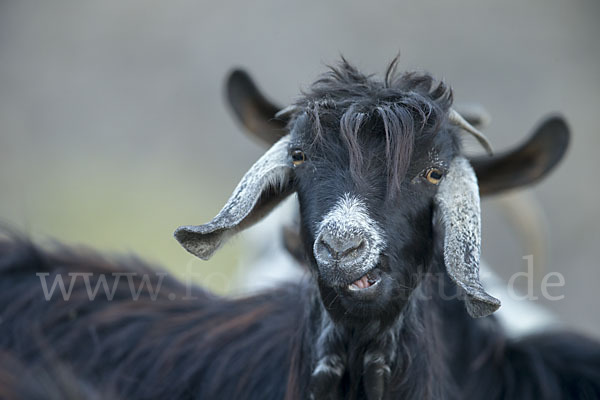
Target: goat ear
[458,214]
[253,110]
[527,163]
[266,183]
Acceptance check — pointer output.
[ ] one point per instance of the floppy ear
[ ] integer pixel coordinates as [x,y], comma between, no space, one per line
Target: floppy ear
[252,109]
[266,183]
[458,215]
[527,163]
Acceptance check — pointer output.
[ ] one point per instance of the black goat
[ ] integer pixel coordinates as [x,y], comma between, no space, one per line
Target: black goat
[390,220]
[173,342]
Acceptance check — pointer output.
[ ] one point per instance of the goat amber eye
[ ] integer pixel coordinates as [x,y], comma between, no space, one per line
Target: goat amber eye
[434,175]
[298,157]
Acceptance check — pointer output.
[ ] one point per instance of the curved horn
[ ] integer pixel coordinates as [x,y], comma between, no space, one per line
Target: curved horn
[265,184]
[457,208]
[475,114]
[456,119]
[286,112]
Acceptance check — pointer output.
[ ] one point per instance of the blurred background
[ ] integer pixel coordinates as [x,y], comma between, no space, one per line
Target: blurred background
[114,129]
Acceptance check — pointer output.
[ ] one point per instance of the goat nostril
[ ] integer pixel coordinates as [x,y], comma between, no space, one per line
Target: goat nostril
[352,248]
[328,248]
[337,249]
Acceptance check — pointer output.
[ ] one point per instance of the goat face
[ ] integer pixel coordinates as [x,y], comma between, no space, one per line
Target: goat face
[381,184]
[368,229]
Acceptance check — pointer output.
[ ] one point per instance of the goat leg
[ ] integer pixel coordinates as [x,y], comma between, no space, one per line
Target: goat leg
[376,375]
[377,363]
[325,379]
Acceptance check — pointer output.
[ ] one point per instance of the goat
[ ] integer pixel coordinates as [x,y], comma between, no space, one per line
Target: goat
[267,262]
[349,156]
[390,222]
[174,341]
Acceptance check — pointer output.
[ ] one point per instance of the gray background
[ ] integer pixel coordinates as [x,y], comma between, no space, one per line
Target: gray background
[113,127]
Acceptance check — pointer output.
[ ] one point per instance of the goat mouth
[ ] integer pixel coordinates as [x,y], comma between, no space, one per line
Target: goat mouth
[367,281]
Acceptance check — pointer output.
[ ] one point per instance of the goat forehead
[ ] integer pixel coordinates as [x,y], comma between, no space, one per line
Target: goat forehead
[386,139]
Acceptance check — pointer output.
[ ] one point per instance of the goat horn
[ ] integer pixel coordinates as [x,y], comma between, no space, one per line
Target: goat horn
[457,119]
[284,113]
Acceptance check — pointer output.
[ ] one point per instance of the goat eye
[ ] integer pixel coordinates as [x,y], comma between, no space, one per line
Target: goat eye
[434,175]
[298,157]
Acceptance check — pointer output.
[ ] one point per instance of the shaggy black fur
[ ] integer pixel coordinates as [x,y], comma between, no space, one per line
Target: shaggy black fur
[252,348]
[201,348]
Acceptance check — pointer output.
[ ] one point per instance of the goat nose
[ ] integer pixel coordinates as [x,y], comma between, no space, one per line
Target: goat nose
[336,249]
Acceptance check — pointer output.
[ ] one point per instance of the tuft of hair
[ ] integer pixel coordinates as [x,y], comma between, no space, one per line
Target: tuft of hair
[401,106]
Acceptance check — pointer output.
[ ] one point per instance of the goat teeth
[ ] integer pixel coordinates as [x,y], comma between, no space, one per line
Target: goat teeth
[359,284]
